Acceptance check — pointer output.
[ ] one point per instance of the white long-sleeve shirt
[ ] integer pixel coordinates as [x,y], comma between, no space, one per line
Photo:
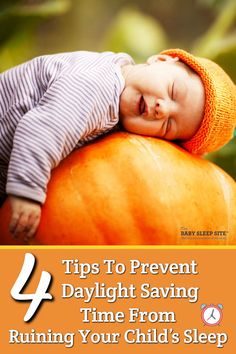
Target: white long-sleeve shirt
[48,107]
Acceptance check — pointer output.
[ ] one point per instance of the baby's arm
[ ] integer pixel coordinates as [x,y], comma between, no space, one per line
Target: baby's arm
[25,216]
[44,136]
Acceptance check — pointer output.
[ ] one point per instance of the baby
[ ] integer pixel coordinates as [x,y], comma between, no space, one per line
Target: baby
[55,103]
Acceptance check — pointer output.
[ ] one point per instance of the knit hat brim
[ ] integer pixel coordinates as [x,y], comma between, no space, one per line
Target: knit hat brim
[219,118]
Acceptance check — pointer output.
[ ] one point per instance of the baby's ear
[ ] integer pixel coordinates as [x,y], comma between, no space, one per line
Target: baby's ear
[161,57]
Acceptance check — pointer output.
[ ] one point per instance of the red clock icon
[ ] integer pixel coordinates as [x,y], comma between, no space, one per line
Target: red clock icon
[212,314]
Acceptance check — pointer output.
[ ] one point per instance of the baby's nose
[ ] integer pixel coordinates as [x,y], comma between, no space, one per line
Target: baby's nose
[162,109]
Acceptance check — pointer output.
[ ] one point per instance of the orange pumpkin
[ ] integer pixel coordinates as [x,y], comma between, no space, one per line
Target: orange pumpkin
[129,189]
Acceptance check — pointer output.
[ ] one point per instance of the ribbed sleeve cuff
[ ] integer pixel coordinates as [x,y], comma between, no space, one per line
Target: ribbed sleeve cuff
[26,192]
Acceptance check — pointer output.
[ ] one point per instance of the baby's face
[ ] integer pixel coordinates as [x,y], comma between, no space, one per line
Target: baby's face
[163,99]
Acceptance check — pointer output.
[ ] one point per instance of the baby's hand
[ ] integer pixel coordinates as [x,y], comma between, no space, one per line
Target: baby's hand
[25,217]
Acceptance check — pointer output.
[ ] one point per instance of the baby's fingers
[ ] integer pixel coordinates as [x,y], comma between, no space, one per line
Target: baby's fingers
[14,224]
[21,225]
[33,224]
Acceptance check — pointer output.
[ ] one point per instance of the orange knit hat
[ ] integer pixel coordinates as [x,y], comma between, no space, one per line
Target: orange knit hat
[219,118]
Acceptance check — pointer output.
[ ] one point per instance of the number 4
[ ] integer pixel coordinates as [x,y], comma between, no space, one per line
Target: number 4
[40,293]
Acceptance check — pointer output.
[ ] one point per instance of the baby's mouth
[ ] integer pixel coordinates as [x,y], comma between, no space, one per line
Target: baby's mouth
[142,106]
